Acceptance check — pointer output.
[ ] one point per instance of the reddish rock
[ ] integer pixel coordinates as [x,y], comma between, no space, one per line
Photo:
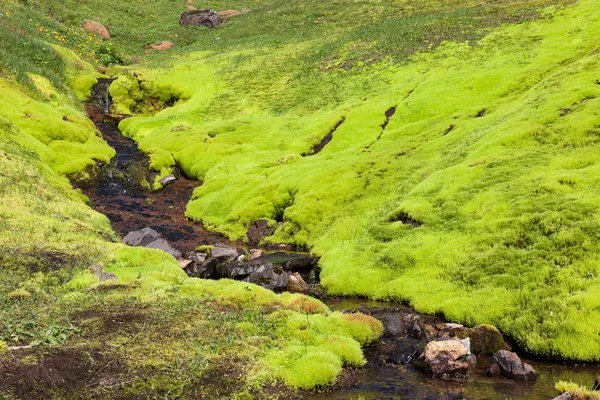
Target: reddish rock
[255,253]
[228,13]
[493,370]
[296,284]
[258,230]
[96,27]
[190,8]
[445,359]
[165,45]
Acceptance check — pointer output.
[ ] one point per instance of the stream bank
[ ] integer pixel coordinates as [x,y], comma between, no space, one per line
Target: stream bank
[120,190]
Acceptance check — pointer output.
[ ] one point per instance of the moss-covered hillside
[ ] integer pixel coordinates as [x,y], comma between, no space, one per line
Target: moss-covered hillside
[462,172]
[461,177]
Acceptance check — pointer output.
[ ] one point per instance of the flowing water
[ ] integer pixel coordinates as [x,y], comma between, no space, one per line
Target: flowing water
[118,193]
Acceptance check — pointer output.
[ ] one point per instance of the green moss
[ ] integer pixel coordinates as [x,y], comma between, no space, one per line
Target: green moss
[485,339]
[576,391]
[3,348]
[19,294]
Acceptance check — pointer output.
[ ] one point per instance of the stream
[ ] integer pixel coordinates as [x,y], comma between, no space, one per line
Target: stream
[117,191]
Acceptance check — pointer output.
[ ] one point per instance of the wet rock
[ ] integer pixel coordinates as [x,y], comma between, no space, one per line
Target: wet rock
[167,180]
[471,359]
[269,277]
[224,253]
[206,17]
[493,371]
[255,253]
[257,231]
[141,238]
[394,325]
[416,331]
[444,359]
[430,332]
[235,269]
[512,367]
[296,283]
[162,244]
[485,339]
[217,264]
[197,257]
[564,396]
[405,351]
[95,27]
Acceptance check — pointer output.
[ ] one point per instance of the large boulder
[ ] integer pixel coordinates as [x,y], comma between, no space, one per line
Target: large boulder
[95,27]
[485,339]
[206,17]
[445,359]
[512,367]
[141,238]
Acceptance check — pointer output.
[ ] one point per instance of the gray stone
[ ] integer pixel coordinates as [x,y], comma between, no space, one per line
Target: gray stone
[564,396]
[512,367]
[162,244]
[237,270]
[394,325]
[206,17]
[141,238]
[167,180]
[269,278]
[222,254]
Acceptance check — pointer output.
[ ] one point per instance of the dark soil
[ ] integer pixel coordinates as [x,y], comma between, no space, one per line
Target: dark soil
[325,141]
[54,373]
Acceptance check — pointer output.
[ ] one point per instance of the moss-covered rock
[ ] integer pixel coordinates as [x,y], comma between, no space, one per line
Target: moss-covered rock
[485,339]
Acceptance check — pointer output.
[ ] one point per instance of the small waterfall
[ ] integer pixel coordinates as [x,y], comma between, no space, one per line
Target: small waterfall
[100,94]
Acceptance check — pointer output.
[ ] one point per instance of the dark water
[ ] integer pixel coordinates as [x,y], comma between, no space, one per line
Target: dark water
[379,380]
